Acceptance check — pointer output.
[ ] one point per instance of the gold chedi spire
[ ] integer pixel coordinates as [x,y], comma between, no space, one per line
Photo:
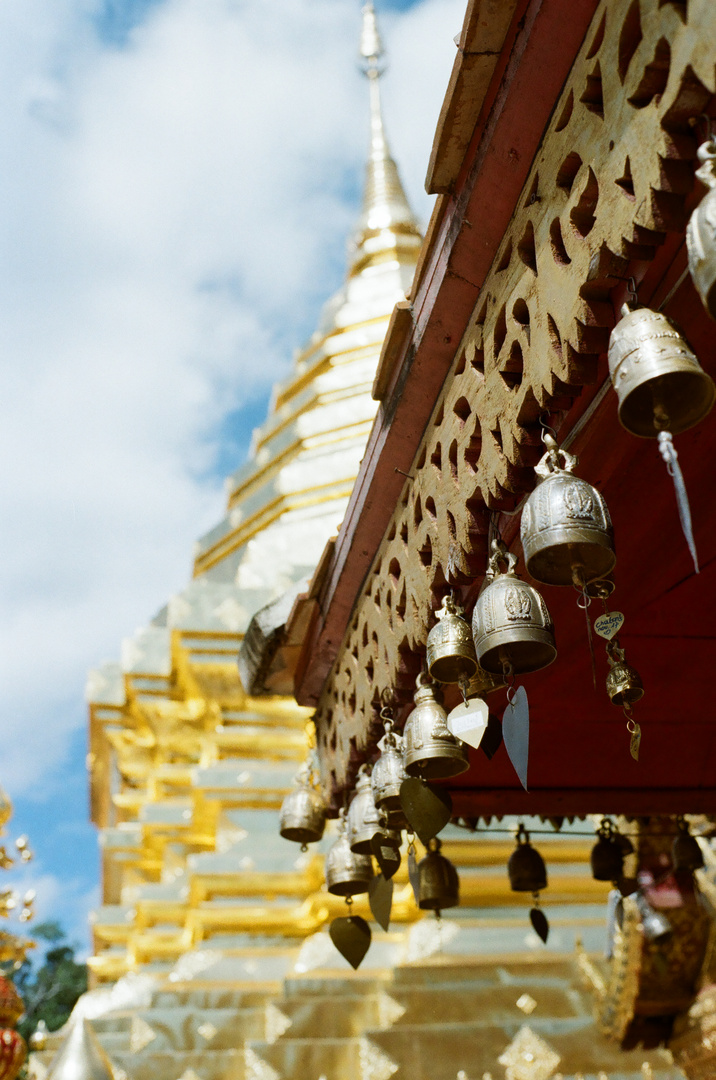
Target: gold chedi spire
[387,228]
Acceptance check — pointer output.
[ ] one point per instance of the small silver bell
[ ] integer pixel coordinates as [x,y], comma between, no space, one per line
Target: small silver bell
[511,625]
[624,684]
[347,874]
[303,811]
[450,653]
[431,750]
[566,531]
[659,382]
[701,231]
[438,883]
[387,776]
[656,926]
[364,819]
[526,869]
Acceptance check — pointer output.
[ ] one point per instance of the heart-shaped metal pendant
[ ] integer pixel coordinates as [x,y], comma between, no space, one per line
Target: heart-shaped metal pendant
[387,852]
[380,898]
[468,721]
[351,936]
[492,739]
[428,809]
[609,624]
[516,733]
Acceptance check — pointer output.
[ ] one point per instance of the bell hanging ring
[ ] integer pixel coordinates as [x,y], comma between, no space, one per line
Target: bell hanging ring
[438,882]
[431,750]
[511,625]
[624,685]
[607,857]
[526,868]
[686,853]
[566,531]
[347,873]
[450,654]
[701,231]
[659,382]
[387,776]
[303,811]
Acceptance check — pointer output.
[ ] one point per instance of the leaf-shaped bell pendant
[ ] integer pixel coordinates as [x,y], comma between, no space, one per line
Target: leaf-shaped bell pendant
[566,531]
[346,872]
[303,811]
[387,776]
[438,882]
[526,868]
[431,750]
[659,382]
[450,654]
[511,625]
[701,231]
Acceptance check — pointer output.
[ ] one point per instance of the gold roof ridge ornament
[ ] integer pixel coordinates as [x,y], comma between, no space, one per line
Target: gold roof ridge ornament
[387,226]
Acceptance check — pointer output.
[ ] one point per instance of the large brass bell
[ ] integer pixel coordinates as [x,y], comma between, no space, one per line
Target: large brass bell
[347,873]
[659,382]
[387,776]
[303,811]
[364,819]
[624,684]
[566,531]
[511,625]
[607,856]
[431,750]
[526,868]
[686,853]
[450,654]
[701,231]
[438,883]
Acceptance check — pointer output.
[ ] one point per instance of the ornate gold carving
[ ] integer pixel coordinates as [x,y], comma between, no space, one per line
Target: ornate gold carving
[608,183]
[529,1057]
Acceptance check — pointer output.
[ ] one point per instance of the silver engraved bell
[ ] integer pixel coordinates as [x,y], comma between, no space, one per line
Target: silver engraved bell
[303,811]
[438,882]
[511,625]
[701,231]
[388,774]
[566,531]
[659,382]
[364,819]
[431,750]
[450,653]
[347,873]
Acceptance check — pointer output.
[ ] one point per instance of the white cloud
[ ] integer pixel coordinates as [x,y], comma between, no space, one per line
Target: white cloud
[170,217]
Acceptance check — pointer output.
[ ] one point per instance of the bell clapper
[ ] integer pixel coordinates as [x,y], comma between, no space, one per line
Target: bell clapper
[670,457]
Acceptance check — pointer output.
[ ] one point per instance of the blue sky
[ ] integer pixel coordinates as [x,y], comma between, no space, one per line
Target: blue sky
[178,179]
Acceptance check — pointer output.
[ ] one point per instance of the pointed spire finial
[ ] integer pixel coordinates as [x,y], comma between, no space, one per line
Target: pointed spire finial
[371,46]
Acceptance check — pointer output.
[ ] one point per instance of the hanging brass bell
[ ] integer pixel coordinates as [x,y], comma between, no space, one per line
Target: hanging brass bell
[656,926]
[438,883]
[511,625]
[701,231]
[431,750]
[566,531]
[659,382]
[607,857]
[387,776]
[303,812]
[624,684]
[347,873]
[364,820]
[686,853]
[450,654]
[526,868]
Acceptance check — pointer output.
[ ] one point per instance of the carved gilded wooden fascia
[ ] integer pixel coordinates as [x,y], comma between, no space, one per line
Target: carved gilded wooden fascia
[608,184]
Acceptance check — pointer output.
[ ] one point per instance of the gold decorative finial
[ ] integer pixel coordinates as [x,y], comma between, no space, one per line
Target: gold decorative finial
[371,46]
[387,228]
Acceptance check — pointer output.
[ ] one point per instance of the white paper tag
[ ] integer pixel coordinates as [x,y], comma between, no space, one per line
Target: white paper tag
[609,624]
[468,721]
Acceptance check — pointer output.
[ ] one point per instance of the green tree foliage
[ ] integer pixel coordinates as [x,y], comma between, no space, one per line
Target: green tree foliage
[49,986]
